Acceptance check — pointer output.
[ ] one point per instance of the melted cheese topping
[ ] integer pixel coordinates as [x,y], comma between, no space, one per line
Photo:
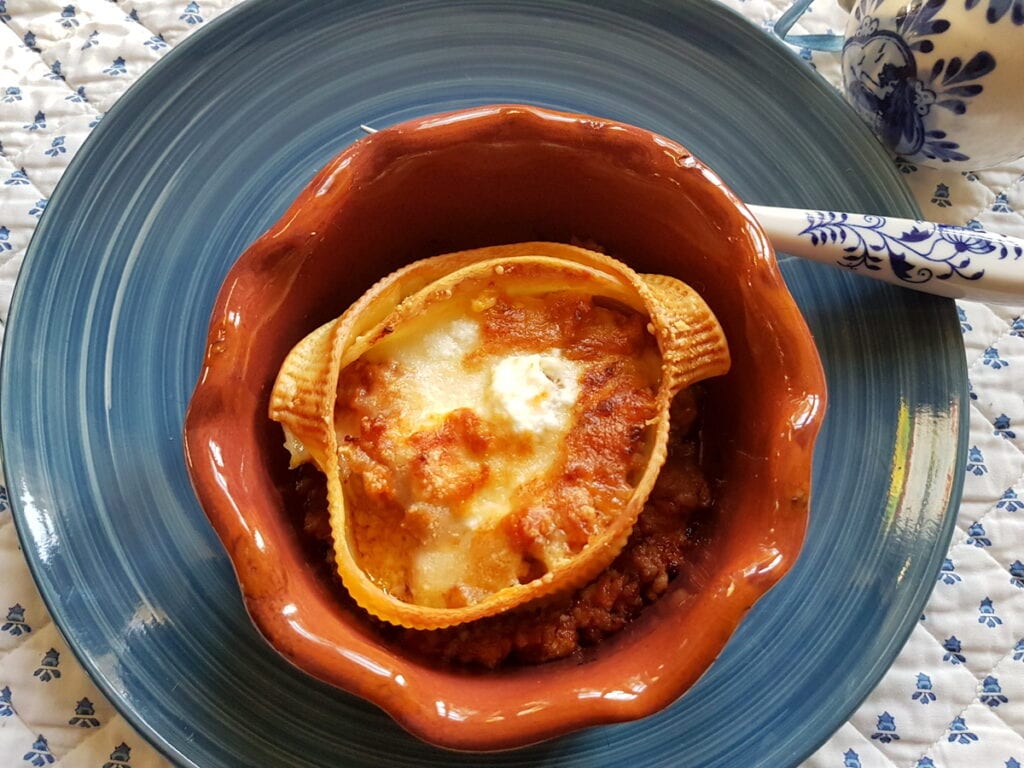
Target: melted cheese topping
[485,446]
[535,392]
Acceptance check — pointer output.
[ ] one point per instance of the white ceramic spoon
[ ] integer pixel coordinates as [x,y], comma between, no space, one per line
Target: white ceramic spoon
[942,259]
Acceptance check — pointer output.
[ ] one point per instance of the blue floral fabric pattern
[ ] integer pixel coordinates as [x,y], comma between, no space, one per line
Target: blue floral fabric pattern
[968,649]
[872,243]
[62,65]
[955,695]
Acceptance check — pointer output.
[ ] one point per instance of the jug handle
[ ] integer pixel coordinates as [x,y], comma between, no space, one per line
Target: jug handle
[829,43]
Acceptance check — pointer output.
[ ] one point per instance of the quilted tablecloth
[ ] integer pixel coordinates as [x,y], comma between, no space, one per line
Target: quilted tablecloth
[955,695]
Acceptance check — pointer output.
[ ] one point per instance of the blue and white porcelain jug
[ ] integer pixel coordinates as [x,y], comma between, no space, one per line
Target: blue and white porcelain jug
[939,81]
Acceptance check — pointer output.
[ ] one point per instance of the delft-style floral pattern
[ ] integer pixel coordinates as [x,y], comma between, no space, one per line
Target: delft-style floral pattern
[107,44]
[997,9]
[890,91]
[917,255]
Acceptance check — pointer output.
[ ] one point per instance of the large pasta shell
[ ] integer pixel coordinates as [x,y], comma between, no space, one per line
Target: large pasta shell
[690,344]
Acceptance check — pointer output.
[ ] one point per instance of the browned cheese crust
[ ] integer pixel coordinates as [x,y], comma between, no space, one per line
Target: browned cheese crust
[668,548]
[398,503]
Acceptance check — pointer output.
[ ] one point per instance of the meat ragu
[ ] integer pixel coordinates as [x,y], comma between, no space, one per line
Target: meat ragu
[666,549]
[491,425]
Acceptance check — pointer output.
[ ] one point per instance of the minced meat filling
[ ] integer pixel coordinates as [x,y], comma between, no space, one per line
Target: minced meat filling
[667,545]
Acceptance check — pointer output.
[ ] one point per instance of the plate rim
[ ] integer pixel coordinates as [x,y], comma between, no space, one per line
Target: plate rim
[258,8]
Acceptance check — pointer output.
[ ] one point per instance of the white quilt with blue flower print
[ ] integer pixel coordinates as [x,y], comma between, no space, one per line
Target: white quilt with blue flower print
[955,696]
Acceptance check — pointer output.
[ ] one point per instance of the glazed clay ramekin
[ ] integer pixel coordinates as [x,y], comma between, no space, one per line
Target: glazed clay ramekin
[486,176]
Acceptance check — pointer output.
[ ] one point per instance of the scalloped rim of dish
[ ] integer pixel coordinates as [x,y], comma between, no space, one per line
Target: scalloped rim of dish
[361,668]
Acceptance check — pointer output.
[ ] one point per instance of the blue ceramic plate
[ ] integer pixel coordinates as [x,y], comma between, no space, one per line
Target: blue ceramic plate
[107,332]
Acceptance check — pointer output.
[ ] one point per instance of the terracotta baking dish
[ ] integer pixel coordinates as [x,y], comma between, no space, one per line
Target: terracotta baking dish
[486,176]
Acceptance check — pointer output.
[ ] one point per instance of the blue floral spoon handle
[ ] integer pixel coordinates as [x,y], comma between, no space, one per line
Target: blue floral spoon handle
[941,259]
